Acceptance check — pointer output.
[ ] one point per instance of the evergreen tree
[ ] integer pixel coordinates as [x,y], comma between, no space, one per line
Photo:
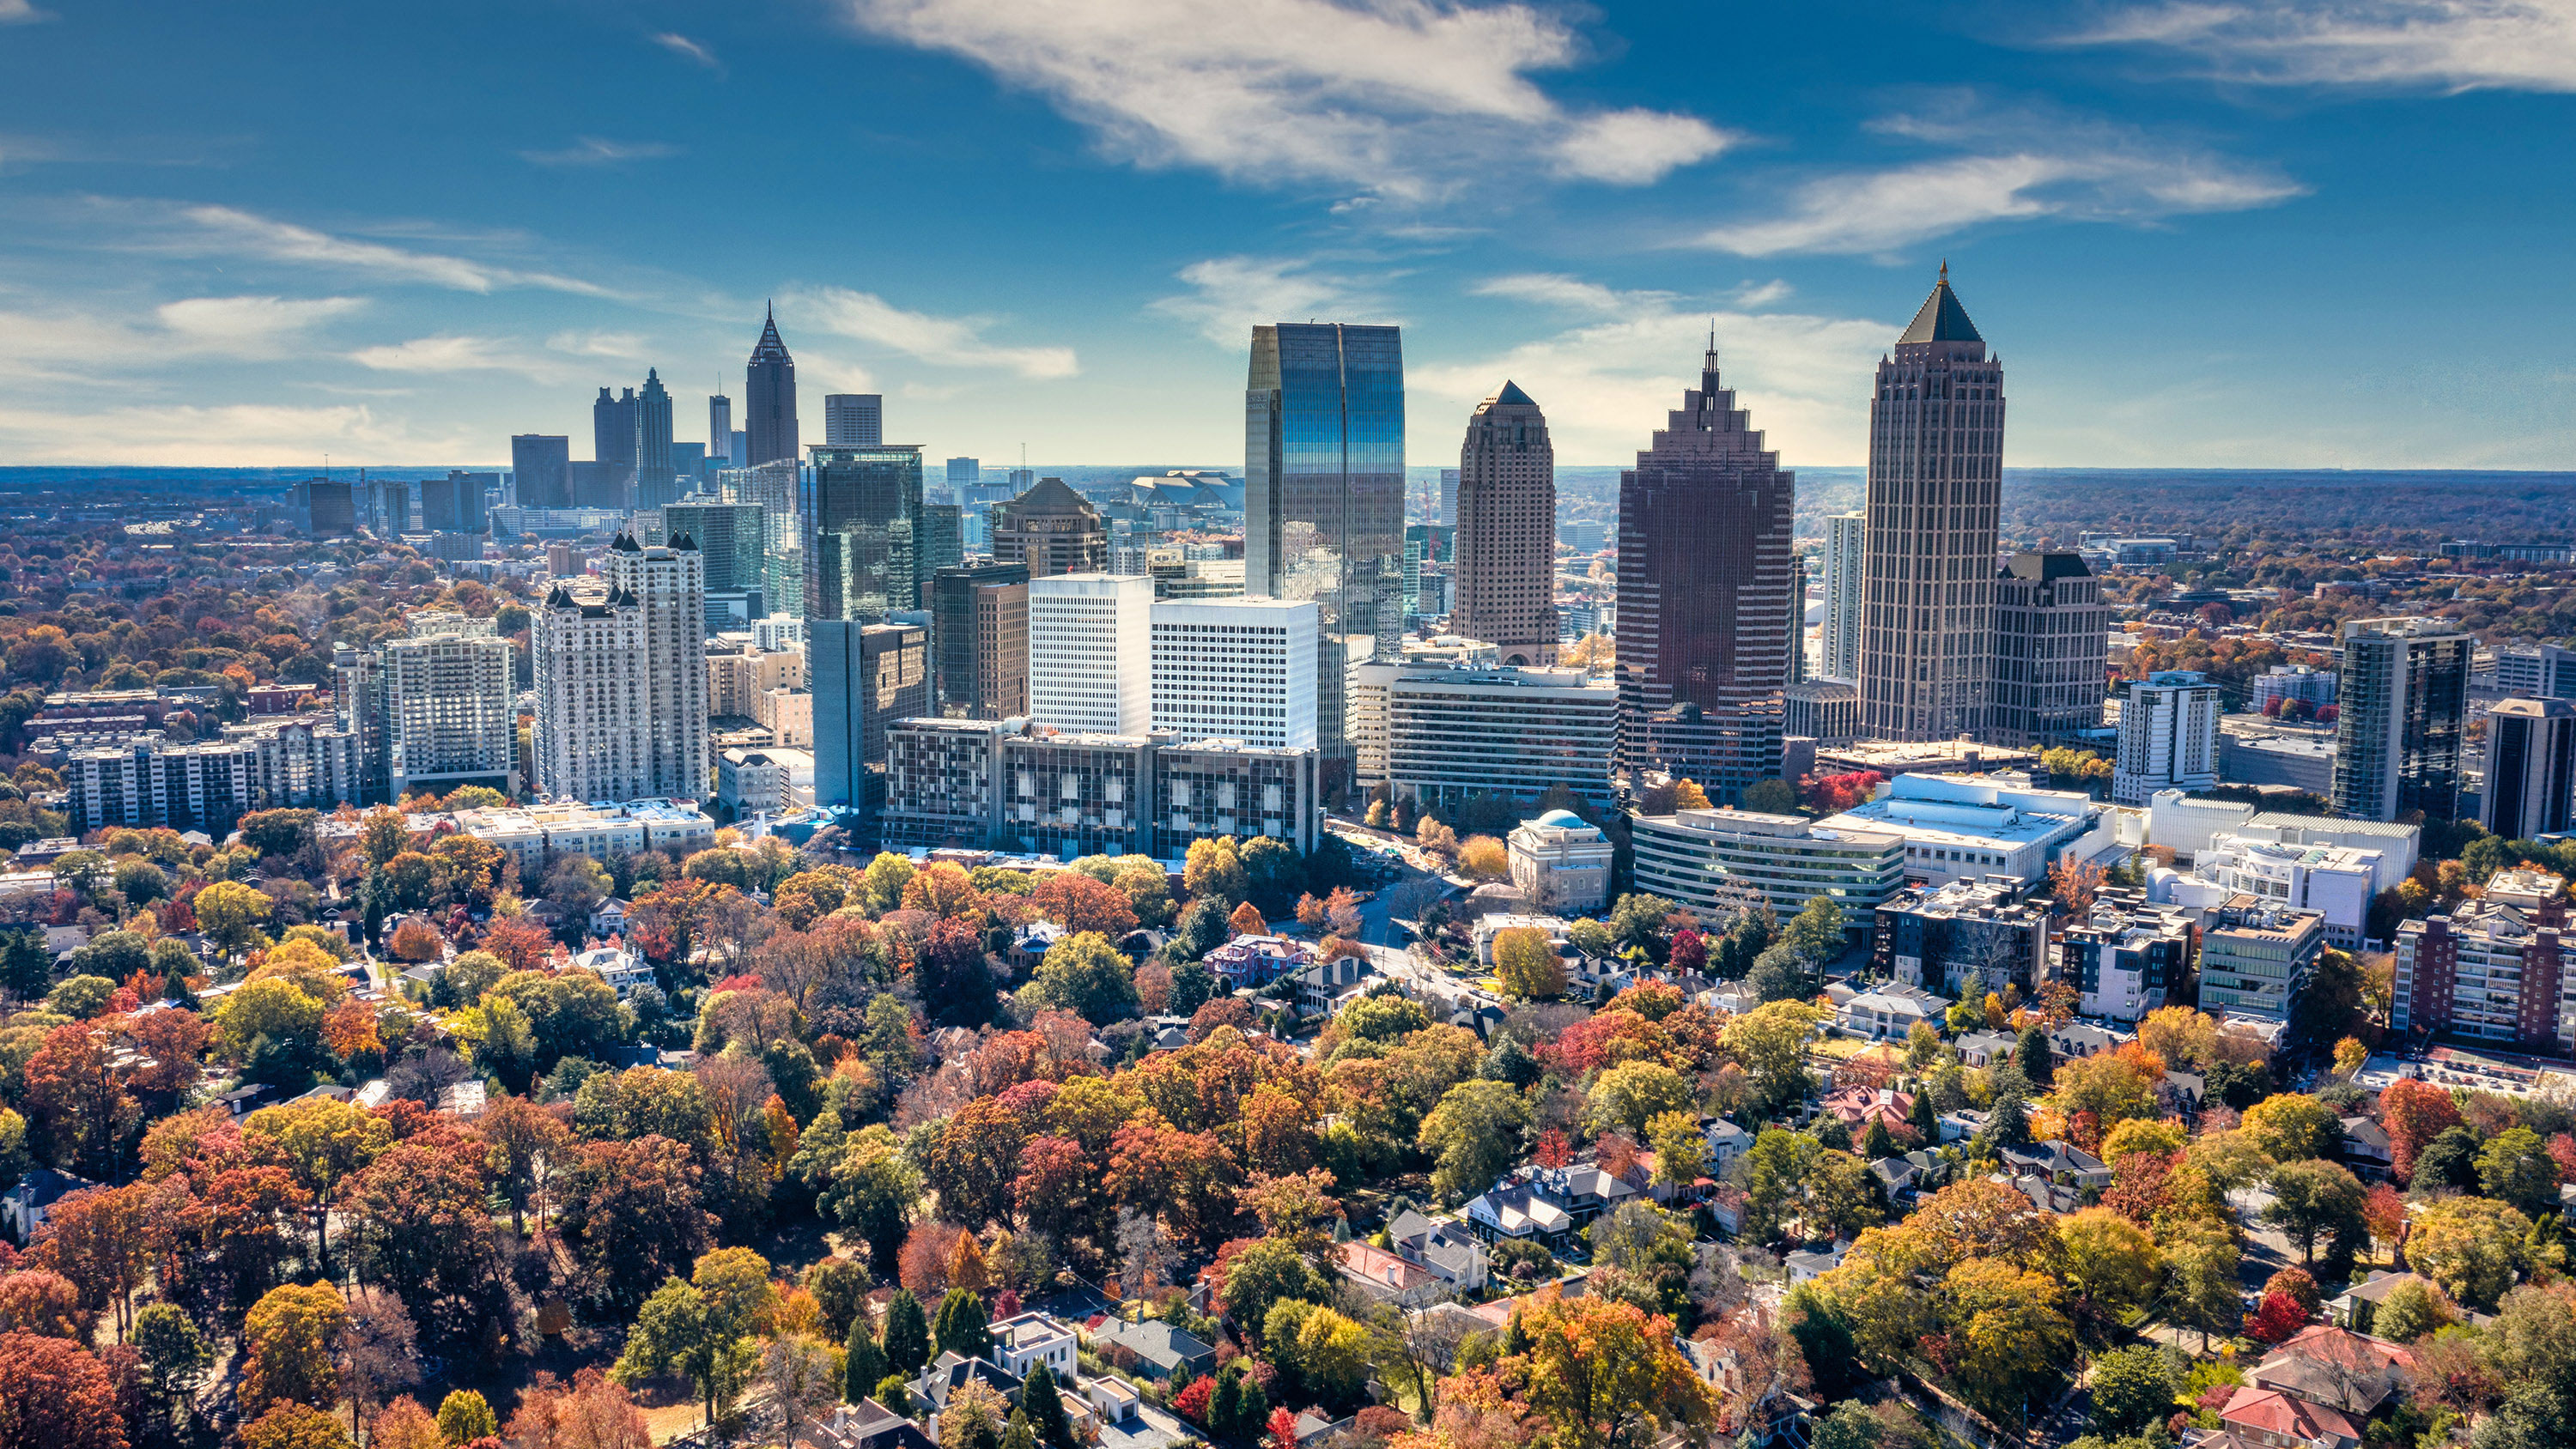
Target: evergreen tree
[866,1365]
[1878,1144]
[1510,1061]
[1045,1409]
[907,1333]
[964,1330]
[2031,1055]
[1017,1434]
[1923,1119]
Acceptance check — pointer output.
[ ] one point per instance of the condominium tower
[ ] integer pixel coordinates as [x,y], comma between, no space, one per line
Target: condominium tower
[1090,652]
[1846,546]
[2402,709]
[622,678]
[2531,768]
[1506,538]
[1936,433]
[1705,595]
[1240,669]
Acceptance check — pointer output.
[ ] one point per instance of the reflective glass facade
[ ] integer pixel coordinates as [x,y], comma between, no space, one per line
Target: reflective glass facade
[877,492]
[1323,471]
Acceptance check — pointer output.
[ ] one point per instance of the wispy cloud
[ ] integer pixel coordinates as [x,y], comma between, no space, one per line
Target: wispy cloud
[66,345]
[624,346]
[1607,382]
[230,231]
[21,12]
[455,352]
[2017,165]
[595,151]
[238,436]
[2449,44]
[1229,296]
[1403,98]
[947,341]
[682,46]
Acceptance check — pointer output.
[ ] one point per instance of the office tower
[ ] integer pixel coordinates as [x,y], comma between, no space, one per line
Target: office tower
[2168,736]
[2525,671]
[1506,538]
[1704,596]
[562,560]
[656,476]
[1241,669]
[324,508]
[454,504]
[865,676]
[1323,490]
[2052,650]
[612,446]
[603,485]
[1846,546]
[622,679]
[1453,735]
[1797,617]
[388,505]
[964,473]
[862,519]
[940,540]
[853,419]
[541,470]
[2531,768]
[1936,442]
[1448,498]
[690,469]
[1090,652]
[2402,705]
[728,536]
[1051,529]
[434,708]
[769,401]
[1022,480]
[720,434]
[979,640]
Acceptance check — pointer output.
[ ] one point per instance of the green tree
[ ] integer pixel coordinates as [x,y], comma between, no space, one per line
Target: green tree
[1770,1042]
[1266,1274]
[231,914]
[1086,975]
[2313,1199]
[863,1364]
[1045,1408]
[963,1329]
[1631,1094]
[2132,1389]
[465,1416]
[2470,1246]
[173,1355]
[701,1328]
[2515,1168]
[1473,1134]
[907,1333]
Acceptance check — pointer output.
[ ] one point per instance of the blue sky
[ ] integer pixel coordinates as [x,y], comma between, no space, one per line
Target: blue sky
[2242,233]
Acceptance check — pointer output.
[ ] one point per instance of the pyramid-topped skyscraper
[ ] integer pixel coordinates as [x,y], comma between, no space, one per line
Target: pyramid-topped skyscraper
[1936,444]
[769,399]
[1705,607]
[1506,520]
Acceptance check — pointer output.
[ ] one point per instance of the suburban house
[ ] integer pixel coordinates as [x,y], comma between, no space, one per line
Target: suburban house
[1857,1107]
[1385,1277]
[866,1424]
[623,970]
[1984,1048]
[1024,1340]
[608,918]
[1888,1012]
[1442,1246]
[2366,1150]
[2056,1175]
[24,1208]
[1157,1349]
[1726,1142]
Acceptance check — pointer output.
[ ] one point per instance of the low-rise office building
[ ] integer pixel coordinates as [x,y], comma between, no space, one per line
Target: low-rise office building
[1967,938]
[1454,733]
[2255,958]
[2336,881]
[1969,827]
[1717,862]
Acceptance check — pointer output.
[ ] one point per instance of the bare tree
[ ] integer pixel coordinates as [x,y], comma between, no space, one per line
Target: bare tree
[378,1351]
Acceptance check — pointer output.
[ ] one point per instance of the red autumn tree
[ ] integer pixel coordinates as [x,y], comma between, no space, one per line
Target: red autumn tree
[2414,1112]
[522,944]
[2278,1320]
[57,1394]
[1079,903]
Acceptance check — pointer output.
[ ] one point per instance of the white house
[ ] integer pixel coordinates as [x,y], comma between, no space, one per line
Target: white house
[1025,1340]
[622,969]
[1888,1012]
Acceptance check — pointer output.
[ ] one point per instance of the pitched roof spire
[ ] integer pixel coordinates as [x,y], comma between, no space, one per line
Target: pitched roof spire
[1708,385]
[1942,318]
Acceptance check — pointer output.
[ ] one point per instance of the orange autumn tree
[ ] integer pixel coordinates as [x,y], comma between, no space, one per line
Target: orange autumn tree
[1605,1372]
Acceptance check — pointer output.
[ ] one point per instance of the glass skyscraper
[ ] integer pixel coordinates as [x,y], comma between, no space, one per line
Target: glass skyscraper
[862,513]
[1323,472]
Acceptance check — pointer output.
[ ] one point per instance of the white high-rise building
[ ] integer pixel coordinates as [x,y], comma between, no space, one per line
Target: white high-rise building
[853,420]
[622,679]
[2168,736]
[1846,549]
[1240,669]
[1091,652]
[449,719]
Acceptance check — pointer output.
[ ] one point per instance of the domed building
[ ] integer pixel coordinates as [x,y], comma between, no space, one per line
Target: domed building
[1561,864]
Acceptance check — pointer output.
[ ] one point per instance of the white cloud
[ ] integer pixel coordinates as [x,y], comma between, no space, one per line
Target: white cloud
[2021,166]
[683,46]
[1406,98]
[1607,384]
[947,341]
[66,345]
[236,436]
[20,12]
[593,151]
[456,353]
[1229,296]
[2452,44]
[623,346]
[228,230]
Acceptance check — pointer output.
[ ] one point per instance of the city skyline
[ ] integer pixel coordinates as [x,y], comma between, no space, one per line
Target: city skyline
[397,287]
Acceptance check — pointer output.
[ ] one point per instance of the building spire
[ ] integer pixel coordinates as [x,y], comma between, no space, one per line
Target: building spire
[1708,371]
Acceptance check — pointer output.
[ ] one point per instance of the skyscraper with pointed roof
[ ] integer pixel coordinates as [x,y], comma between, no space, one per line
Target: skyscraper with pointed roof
[1936,445]
[1506,522]
[1705,608]
[769,399]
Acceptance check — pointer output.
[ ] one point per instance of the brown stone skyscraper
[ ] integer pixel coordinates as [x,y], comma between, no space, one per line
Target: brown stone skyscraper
[1506,537]
[1704,596]
[1936,447]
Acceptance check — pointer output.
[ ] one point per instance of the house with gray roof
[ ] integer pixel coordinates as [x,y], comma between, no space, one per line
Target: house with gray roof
[1157,1348]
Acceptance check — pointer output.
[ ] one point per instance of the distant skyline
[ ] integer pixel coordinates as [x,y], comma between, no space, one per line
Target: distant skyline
[2265,234]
